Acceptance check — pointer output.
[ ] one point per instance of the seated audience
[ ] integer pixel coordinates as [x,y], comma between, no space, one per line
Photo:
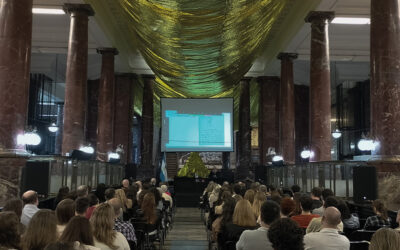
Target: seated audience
[220,202]
[109,193]
[82,191]
[105,237]
[214,195]
[78,230]
[259,199]
[325,194]
[385,239]
[148,211]
[328,238]
[139,185]
[237,189]
[15,205]
[9,231]
[61,195]
[93,203]
[81,206]
[31,202]
[263,189]
[64,212]
[227,212]
[243,218]
[157,198]
[249,195]
[41,231]
[125,185]
[316,193]
[287,207]
[258,239]
[305,217]
[350,221]
[381,219]
[285,234]
[125,202]
[297,207]
[166,195]
[100,192]
[153,182]
[121,226]
[315,224]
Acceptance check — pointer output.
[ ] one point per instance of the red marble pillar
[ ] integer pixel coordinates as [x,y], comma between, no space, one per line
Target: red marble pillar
[268,118]
[76,77]
[244,136]
[123,114]
[385,76]
[301,94]
[287,115]
[146,168]
[105,118]
[92,111]
[15,57]
[320,86]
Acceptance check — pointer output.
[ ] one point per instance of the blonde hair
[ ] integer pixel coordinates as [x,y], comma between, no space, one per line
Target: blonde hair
[385,238]
[120,195]
[102,222]
[249,195]
[259,199]
[243,214]
[41,231]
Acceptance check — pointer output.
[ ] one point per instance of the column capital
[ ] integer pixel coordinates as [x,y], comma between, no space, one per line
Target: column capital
[318,16]
[73,7]
[287,56]
[103,51]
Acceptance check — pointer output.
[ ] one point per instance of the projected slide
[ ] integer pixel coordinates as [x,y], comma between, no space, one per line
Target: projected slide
[197,125]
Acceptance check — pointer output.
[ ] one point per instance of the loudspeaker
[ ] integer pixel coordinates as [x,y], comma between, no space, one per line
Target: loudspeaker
[261,174]
[365,184]
[36,176]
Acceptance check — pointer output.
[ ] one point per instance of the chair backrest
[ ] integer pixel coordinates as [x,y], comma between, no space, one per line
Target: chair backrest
[359,245]
[361,235]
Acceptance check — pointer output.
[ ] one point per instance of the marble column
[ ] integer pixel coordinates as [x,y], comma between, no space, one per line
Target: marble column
[92,112]
[105,118]
[226,160]
[123,114]
[268,118]
[146,169]
[301,94]
[320,86]
[15,55]
[76,77]
[244,137]
[15,58]
[287,115]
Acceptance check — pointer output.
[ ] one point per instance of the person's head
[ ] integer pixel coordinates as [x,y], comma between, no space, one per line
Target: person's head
[306,203]
[255,186]
[30,197]
[157,194]
[65,211]
[78,229]
[344,210]
[100,190]
[326,193]
[120,194]
[249,195]
[243,214]
[277,198]
[9,233]
[210,187]
[82,191]
[14,205]
[81,206]
[109,193]
[285,234]
[316,193]
[259,199]
[148,207]
[116,205]
[287,192]
[125,183]
[270,212]
[41,230]
[153,181]
[331,218]
[295,188]
[227,210]
[331,201]
[380,208]
[385,239]
[62,192]
[287,206]
[102,222]
[263,189]
[139,183]
[93,200]
[60,246]
[237,188]
[164,188]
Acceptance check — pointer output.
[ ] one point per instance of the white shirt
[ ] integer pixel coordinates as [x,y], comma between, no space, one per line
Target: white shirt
[254,240]
[28,212]
[120,241]
[326,239]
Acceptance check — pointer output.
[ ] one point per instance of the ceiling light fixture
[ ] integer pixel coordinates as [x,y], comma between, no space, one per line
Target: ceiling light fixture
[352,20]
[48,11]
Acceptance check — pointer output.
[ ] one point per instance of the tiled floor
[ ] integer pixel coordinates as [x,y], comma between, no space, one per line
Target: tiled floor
[188,232]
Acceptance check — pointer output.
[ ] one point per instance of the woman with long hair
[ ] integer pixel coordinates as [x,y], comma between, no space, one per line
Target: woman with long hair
[381,219]
[9,230]
[125,202]
[226,217]
[41,231]
[249,195]
[61,195]
[64,212]
[105,237]
[259,199]
[385,239]
[79,230]
[287,207]
[15,205]
[148,208]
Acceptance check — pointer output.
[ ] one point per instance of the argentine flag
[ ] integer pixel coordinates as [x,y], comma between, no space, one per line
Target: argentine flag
[163,172]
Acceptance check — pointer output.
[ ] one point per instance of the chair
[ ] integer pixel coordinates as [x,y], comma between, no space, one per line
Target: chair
[148,233]
[359,245]
[361,235]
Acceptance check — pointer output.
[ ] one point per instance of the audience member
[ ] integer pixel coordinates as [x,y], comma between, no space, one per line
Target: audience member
[31,201]
[166,195]
[285,234]
[249,195]
[125,184]
[61,246]
[350,221]
[125,202]
[121,226]
[398,220]
[385,239]
[79,230]
[148,209]
[315,224]
[93,203]
[218,205]
[328,238]
[139,184]
[81,206]
[259,199]
[287,207]
[82,191]
[15,205]
[325,194]
[41,231]
[297,207]
[64,212]
[287,192]
[100,192]
[109,193]
[153,182]
[276,197]
[305,217]
[214,195]
[381,219]
[105,237]
[316,194]
[157,197]
[263,189]
[9,230]
[258,239]
[61,195]
[295,188]
[227,212]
